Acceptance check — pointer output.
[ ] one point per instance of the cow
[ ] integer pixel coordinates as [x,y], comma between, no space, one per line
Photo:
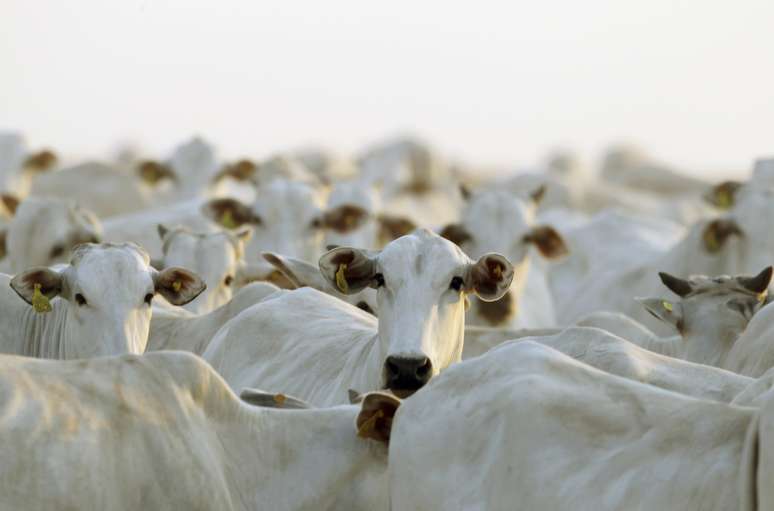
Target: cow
[99,304]
[317,347]
[559,434]
[217,257]
[500,221]
[43,232]
[164,431]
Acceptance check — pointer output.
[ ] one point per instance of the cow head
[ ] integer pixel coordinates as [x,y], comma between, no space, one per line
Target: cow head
[421,283]
[107,291]
[217,257]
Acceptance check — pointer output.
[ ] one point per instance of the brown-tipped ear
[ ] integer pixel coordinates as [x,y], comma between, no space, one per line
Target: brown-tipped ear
[153,172]
[549,242]
[3,248]
[678,286]
[229,213]
[24,283]
[345,218]
[490,277]
[298,273]
[723,196]
[178,285]
[243,170]
[538,194]
[348,270]
[377,411]
[456,233]
[393,227]
[10,202]
[759,283]
[717,232]
[41,161]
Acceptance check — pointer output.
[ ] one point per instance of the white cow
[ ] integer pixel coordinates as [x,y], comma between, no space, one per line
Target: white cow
[317,347]
[531,426]
[44,231]
[500,221]
[99,304]
[217,257]
[753,353]
[164,431]
[19,167]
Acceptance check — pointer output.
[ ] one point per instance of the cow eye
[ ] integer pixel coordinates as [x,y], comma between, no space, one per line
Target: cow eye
[56,251]
[379,279]
[80,300]
[316,223]
[365,307]
[228,280]
[456,284]
[148,298]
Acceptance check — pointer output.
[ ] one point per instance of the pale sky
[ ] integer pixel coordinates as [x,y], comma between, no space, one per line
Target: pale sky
[501,83]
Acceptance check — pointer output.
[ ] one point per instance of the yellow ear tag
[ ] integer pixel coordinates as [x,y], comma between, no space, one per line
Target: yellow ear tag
[668,306]
[498,271]
[40,301]
[762,296]
[279,399]
[341,279]
[365,429]
[227,220]
[724,199]
[177,286]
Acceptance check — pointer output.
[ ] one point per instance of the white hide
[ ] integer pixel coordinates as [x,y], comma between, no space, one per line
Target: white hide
[558,434]
[164,431]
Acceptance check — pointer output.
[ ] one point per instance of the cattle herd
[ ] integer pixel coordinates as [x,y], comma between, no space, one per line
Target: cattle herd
[391,330]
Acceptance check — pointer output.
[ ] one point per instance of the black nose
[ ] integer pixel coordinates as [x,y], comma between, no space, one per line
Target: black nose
[407,373]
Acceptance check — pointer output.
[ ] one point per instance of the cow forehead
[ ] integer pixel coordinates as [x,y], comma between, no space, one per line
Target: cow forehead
[110,267]
[420,253]
[354,194]
[499,211]
[716,286]
[200,252]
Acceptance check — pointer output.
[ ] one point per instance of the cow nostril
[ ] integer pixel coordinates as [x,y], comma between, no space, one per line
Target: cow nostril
[424,369]
[392,368]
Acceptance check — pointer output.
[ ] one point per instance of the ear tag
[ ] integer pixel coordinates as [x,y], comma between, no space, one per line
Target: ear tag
[279,399]
[762,296]
[724,199]
[667,305]
[368,426]
[227,220]
[711,240]
[40,301]
[498,271]
[177,286]
[341,279]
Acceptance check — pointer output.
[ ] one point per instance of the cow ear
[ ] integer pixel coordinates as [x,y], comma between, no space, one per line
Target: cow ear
[299,273]
[665,310]
[349,270]
[377,410]
[48,280]
[490,277]
[456,233]
[717,232]
[163,230]
[264,399]
[549,242]
[758,284]
[723,196]
[538,194]
[393,227]
[178,285]
[229,213]
[678,286]
[10,202]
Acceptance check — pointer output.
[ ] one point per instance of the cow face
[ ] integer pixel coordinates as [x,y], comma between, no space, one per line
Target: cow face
[285,218]
[422,282]
[498,221]
[107,291]
[216,257]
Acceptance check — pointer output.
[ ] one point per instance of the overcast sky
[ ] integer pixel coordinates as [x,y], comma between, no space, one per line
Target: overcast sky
[498,83]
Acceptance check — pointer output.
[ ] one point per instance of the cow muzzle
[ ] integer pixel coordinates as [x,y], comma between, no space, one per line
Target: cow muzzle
[405,375]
